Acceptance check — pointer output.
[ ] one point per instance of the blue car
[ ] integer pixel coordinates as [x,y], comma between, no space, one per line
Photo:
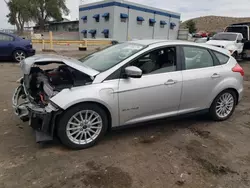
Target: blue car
[14,47]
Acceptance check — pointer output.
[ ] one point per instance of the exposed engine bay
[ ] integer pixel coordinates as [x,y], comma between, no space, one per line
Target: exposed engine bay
[41,84]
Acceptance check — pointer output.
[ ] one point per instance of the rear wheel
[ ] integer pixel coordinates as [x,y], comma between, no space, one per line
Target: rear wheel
[19,55]
[223,105]
[82,126]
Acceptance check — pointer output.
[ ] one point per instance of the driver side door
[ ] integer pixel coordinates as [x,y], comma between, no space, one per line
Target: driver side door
[156,94]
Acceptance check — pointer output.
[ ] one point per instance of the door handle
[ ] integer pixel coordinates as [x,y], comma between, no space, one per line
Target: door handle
[170,82]
[215,75]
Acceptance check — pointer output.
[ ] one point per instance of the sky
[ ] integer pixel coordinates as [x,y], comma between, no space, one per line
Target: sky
[188,8]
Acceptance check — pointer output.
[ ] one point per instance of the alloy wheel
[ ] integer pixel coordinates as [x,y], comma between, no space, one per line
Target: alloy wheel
[225,105]
[84,127]
[19,56]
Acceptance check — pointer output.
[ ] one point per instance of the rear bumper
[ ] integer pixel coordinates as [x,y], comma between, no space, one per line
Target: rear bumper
[31,52]
[40,119]
[241,92]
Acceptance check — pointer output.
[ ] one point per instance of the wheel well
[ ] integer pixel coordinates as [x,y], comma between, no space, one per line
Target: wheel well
[17,50]
[234,90]
[101,106]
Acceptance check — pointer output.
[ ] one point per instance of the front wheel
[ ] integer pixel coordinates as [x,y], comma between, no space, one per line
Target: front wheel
[82,126]
[19,55]
[223,105]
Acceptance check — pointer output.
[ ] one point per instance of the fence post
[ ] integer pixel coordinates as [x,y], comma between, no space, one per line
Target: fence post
[43,44]
[51,40]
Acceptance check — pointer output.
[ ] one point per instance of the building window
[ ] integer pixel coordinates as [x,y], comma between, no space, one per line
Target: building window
[106,33]
[163,23]
[84,19]
[139,20]
[152,22]
[172,25]
[123,17]
[123,20]
[84,32]
[97,17]
[106,16]
[93,33]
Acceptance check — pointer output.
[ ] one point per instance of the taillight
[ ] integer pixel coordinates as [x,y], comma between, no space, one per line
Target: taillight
[239,69]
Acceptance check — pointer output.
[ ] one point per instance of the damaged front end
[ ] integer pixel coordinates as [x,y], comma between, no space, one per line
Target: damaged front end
[41,119]
[31,99]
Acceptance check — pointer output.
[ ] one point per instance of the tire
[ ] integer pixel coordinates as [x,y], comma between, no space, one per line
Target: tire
[79,140]
[19,55]
[214,111]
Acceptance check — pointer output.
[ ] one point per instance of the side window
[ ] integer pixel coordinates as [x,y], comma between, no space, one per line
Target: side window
[158,61]
[223,59]
[6,38]
[196,58]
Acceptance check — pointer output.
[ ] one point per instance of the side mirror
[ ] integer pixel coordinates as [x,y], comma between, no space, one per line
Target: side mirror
[243,40]
[133,72]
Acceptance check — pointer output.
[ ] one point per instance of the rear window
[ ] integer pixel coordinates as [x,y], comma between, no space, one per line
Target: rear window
[223,59]
[238,29]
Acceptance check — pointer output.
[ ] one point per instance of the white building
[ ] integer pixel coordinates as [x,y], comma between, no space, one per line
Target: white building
[124,20]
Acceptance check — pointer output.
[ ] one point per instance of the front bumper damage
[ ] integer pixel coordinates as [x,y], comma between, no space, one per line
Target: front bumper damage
[42,120]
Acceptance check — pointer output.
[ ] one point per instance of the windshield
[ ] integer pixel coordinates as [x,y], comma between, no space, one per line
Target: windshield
[109,57]
[225,36]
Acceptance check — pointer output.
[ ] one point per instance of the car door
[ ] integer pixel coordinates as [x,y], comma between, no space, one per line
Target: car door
[201,74]
[239,43]
[6,45]
[157,93]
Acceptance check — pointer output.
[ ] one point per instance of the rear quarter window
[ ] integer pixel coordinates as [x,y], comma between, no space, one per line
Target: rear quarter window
[223,59]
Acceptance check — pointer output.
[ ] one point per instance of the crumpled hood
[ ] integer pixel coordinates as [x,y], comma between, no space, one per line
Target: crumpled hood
[220,43]
[46,59]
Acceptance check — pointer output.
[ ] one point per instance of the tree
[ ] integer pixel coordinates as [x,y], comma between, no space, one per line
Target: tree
[191,26]
[19,13]
[44,10]
[40,11]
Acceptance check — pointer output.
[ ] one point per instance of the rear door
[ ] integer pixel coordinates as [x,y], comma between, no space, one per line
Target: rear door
[201,75]
[6,45]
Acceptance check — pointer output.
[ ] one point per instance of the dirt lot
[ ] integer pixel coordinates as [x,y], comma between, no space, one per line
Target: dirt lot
[191,153]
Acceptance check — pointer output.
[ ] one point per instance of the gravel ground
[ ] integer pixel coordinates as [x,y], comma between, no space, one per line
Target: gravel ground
[193,152]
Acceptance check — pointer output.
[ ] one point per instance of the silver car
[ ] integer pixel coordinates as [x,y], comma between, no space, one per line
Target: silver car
[128,83]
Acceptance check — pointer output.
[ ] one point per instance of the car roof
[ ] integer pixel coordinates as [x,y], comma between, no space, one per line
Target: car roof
[160,43]
[10,34]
